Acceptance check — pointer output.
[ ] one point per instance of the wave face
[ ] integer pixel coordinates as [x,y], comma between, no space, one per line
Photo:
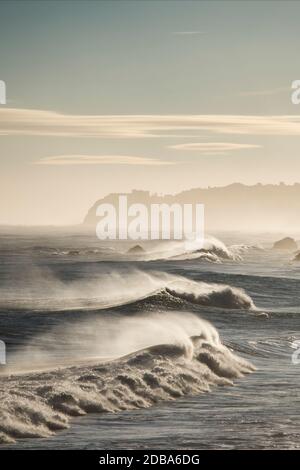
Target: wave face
[38,404]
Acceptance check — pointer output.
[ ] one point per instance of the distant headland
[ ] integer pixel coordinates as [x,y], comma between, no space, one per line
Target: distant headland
[234,207]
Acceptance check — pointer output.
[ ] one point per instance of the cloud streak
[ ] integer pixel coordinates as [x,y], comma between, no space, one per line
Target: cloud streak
[213,148]
[31,122]
[270,92]
[100,160]
[188,33]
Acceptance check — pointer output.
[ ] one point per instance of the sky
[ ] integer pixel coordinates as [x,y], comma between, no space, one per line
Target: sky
[110,96]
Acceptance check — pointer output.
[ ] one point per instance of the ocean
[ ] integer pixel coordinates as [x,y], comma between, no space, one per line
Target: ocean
[159,347]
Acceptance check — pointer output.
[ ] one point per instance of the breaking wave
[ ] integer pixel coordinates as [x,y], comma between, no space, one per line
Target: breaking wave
[117,288]
[210,249]
[215,295]
[191,361]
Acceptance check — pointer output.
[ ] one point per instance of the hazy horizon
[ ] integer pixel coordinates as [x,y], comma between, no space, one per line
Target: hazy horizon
[232,208]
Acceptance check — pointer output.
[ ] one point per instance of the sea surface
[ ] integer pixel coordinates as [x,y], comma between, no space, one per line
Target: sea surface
[161,346]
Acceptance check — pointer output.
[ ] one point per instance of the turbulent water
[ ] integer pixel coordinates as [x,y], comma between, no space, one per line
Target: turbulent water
[173,346]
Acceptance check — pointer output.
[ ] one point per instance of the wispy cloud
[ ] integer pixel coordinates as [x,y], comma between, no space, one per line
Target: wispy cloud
[213,148]
[31,122]
[269,92]
[99,160]
[188,33]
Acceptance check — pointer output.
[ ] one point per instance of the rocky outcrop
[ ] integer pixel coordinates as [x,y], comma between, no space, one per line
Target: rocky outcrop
[286,243]
[136,250]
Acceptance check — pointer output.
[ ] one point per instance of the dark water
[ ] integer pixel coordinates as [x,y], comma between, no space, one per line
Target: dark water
[68,301]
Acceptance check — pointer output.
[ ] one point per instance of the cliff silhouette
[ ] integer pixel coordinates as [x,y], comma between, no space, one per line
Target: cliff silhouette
[233,207]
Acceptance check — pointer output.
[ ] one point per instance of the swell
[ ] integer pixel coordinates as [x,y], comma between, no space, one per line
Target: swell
[40,404]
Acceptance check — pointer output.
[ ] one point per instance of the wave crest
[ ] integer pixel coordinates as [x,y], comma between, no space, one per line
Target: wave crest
[215,295]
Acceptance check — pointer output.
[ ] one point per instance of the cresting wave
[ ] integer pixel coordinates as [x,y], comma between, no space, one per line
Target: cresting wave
[116,288]
[38,404]
[214,295]
[210,249]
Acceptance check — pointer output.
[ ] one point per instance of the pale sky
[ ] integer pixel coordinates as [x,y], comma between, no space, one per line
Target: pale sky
[109,96]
